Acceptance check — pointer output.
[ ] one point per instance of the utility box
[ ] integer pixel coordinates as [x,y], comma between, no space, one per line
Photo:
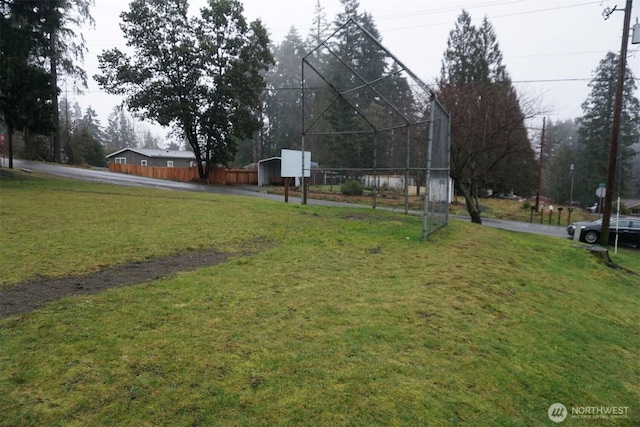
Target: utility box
[576,233]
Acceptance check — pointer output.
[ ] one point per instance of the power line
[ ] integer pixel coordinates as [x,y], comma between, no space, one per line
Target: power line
[496,16]
[528,81]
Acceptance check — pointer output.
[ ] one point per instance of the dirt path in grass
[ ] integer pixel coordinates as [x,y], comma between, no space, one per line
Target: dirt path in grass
[26,297]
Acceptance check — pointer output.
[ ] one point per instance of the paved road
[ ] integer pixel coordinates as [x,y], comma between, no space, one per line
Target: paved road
[104,176]
[526,227]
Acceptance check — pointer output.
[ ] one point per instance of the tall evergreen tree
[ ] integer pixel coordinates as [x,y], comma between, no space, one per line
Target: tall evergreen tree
[356,61]
[91,123]
[81,145]
[26,90]
[82,148]
[283,109]
[320,27]
[66,47]
[149,140]
[490,147]
[119,132]
[594,132]
[558,156]
[40,37]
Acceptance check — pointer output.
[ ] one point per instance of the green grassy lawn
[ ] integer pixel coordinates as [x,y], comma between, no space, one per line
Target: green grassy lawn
[342,317]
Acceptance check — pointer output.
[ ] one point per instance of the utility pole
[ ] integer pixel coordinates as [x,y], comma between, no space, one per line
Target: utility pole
[539,183]
[615,127]
[570,194]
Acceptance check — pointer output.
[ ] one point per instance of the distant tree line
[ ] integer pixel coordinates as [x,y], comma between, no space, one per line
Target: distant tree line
[584,142]
[234,97]
[494,145]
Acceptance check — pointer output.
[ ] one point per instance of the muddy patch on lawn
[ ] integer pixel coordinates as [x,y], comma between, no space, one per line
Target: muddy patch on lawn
[28,296]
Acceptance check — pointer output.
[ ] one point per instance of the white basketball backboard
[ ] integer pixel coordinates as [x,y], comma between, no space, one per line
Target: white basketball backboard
[291,166]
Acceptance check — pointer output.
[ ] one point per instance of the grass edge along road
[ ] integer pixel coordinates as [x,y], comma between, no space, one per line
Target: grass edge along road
[344,317]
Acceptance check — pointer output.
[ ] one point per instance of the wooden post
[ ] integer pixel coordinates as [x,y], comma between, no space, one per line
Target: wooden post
[305,188]
[286,189]
[615,128]
[560,209]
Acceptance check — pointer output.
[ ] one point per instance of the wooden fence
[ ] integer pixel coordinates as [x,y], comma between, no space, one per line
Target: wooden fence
[218,176]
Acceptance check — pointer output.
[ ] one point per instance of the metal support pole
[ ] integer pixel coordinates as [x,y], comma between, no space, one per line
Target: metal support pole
[448,157]
[304,187]
[406,173]
[303,183]
[427,181]
[375,169]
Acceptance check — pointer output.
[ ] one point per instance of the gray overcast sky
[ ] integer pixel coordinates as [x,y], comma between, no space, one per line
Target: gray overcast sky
[550,47]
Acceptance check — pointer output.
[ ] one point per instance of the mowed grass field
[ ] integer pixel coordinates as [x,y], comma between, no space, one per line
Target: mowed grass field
[322,316]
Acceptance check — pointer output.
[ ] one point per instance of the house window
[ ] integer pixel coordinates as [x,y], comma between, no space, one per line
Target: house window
[143,162]
[169,163]
[120,160]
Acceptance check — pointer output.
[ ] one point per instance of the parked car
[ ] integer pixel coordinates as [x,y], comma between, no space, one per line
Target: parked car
[593,208]
[626,228]
[571,229]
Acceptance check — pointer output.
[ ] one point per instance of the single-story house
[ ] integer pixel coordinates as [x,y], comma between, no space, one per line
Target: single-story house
[633,205]
[153,157]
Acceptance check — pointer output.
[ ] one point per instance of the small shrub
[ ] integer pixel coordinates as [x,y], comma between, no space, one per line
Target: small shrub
[352,188]
[526,206]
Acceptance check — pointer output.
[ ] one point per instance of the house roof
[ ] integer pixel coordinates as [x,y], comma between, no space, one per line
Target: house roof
[157,153]
[631,203]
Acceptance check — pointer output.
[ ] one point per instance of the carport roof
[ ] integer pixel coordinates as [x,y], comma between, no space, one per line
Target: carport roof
[270,159]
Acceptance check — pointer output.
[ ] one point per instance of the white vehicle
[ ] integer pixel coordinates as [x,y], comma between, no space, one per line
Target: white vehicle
[592,209]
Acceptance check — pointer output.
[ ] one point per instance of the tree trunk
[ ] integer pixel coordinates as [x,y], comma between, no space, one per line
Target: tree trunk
[202,173]
[56,114]
[30,149]
[10,142]
[472,207]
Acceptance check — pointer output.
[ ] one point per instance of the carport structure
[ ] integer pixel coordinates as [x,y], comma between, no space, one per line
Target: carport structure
[269,170]
[365,113]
